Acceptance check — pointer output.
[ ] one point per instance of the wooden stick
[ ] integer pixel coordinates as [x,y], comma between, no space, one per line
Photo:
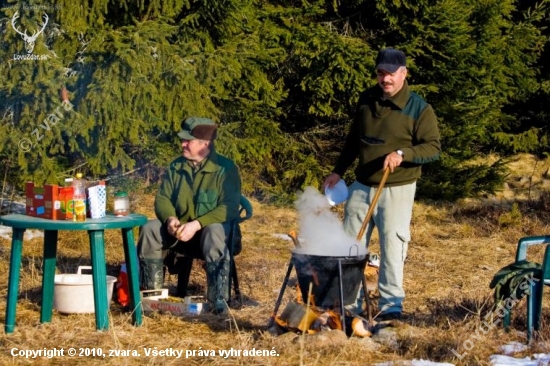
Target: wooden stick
[294,236]
[360,235]
[302,338]
[373,204]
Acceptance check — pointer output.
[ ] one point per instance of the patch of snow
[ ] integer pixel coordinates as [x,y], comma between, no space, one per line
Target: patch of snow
[503,360]
[31,234]
[282,236]
[286,237]
[513,347]
[5,232]
[415,363]
[539,359]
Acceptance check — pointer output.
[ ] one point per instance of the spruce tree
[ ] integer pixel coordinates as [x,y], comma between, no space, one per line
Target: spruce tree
[281,79]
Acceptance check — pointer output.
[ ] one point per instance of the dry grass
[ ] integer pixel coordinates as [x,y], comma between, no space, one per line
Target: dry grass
[454,253]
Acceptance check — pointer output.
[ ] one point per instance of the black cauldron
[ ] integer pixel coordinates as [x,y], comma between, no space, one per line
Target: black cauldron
[323,272]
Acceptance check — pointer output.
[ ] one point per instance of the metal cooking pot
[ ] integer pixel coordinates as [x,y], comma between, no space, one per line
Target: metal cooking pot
[323,273]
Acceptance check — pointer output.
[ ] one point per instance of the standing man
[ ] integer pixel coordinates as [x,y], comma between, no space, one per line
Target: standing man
[197,201]
[393,129]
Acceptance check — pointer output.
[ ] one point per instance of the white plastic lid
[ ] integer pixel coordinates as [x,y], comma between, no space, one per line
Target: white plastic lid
[337,194]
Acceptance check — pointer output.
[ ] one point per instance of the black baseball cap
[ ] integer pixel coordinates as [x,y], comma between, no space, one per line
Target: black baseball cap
[390,59]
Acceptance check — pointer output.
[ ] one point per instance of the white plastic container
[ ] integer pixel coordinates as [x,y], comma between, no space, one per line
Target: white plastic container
[74,293]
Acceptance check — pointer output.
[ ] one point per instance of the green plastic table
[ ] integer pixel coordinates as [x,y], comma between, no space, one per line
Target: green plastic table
[95,228]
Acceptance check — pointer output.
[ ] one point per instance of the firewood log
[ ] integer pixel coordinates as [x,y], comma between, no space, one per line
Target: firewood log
[360,328]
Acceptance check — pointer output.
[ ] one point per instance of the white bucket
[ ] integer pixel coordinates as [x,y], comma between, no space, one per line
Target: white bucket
[74,293]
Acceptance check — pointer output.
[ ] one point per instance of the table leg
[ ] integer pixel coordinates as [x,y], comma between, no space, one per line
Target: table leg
[48,277]
[132,269]
[13,281]
[99,273]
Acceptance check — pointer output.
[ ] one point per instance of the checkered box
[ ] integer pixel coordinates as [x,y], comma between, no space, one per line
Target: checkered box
[97,201]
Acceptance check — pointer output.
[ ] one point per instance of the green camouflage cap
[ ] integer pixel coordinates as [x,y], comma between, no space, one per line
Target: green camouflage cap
[198,128]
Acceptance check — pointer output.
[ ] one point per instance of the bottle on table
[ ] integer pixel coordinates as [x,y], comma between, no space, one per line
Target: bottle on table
[79,198]
[121,205]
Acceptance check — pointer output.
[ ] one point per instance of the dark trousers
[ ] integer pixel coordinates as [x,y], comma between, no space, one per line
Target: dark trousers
[209,243]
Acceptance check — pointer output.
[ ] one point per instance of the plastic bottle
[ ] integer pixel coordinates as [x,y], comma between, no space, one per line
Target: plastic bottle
[123,288]
[66,198]
[79,198]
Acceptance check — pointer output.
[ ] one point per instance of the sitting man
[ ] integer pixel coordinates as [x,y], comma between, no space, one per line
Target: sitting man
[197,201]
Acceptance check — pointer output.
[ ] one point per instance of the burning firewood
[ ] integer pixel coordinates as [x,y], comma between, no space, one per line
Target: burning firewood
[297,316]
[321,323]
[334,320]
[360,328]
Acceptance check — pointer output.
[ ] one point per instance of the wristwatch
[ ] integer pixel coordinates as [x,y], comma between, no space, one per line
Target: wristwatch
[400,152]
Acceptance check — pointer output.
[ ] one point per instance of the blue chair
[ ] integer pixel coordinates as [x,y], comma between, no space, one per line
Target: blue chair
[535,291]
[185,263]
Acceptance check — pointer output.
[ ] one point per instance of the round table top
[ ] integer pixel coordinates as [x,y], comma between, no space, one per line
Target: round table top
[110,221]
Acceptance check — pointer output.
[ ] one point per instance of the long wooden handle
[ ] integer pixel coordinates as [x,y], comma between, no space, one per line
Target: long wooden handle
[294,236]
[373,204]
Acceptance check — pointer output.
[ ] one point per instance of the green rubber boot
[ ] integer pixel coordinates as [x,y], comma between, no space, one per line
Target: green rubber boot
[217,276]
[151,274]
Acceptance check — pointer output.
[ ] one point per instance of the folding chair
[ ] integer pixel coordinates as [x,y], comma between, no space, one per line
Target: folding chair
[536,286]
[185,263]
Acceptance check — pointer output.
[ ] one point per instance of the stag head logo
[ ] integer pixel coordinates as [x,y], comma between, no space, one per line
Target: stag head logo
[29,40]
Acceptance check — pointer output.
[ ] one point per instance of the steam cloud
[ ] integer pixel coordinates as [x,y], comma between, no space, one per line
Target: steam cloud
[322,229]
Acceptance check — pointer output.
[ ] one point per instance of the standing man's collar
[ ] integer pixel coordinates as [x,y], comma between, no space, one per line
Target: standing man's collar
[400,99]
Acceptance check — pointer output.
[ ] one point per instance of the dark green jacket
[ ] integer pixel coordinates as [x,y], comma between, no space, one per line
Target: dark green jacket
[511,281]
[211,195]
[380,127]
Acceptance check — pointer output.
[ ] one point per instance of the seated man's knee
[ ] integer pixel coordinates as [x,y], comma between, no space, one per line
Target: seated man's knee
[213,241]
[150,238]
[151,225]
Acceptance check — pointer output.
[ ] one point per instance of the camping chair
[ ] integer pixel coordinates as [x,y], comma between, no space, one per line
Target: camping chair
[181,265]
[535,290]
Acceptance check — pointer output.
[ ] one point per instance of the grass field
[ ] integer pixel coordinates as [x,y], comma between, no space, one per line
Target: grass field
[454,253]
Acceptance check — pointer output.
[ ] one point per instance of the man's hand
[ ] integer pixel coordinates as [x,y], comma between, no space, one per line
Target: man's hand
[331,180]
[392,161]
[172,224]
[187,231]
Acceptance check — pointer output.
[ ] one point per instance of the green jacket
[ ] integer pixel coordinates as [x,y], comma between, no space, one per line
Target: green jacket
[405,122]
[211,195]
[511,281]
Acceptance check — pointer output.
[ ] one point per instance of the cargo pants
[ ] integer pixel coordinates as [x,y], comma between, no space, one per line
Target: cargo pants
[392,218]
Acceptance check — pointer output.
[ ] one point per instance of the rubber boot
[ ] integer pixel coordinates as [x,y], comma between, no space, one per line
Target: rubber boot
[151,274]
[217,276]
